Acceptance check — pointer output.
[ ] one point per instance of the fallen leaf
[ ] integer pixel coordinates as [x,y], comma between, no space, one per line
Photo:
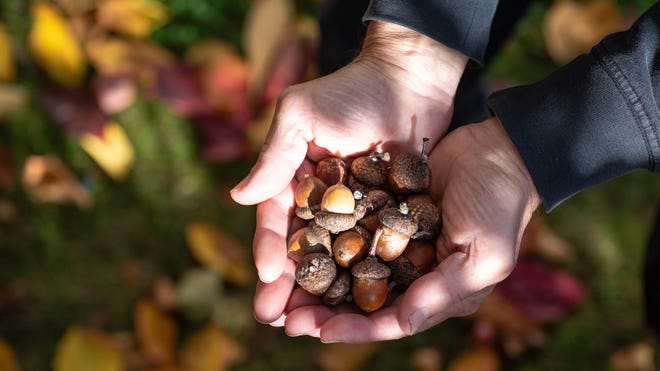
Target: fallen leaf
[288,67]
[267,25]
[571,28]
[164,292]
[13,99]
[221,142]
[543,294]
[197,292]
[83,349]
[135,18]
[136,58]
[634,357]
[224,82]
[8,360]
[7,66]
[112,151]
[73,110]
[55,47]
[505,316]
[480,358]
[219,250]
[114,93]
[211,349]
[426,359]
[541,240]
[179,87]
[345,357]
[47,179]
[156,333]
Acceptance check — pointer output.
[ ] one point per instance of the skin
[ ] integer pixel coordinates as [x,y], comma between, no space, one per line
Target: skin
[399,90]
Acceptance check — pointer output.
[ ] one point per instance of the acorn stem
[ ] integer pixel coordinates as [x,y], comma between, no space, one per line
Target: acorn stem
[425,148]
[403,208]
[378,156]
[374,241]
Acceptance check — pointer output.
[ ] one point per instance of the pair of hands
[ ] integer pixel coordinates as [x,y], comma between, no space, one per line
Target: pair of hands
[397,91]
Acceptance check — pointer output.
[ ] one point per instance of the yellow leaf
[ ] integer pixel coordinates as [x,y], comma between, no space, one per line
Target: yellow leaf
[220,251]
[267,25]
[480,358]
[55,47]
[345,357]
[211,349]
[84,349]
[635,357]
[113,152]
[136,18]
[156,332]
[7,357]
[7,66]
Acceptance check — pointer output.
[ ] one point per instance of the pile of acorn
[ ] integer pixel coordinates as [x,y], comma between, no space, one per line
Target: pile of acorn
[371,227]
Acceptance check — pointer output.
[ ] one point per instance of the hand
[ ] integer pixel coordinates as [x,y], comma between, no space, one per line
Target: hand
[487,198]
[397,91]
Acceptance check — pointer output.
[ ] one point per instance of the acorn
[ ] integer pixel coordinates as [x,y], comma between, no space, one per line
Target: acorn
[339,290]
[371,170]
[410,173]
[417,260]
[357,186]
[315,273]
[370,202]
[307,240]
[337,206]
[308,196]
[369,222]
[426,214]
[331,170]
[349,248]
[370,287]
[364,233]
[392,236]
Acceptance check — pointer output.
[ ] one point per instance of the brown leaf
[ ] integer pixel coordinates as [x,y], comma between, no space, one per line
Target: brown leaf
[47,179]
[74,111]
[156,332]
[219,250]
[571,28]
[267,25]
[634,357]
[481,358]
[8,360]
[83,349]
[211,349]
[135,18]
[541,240]
[345,357]
[55,47]
[7,65]
[426,359]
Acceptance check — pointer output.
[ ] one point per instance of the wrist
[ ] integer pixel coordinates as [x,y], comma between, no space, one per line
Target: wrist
[416,58]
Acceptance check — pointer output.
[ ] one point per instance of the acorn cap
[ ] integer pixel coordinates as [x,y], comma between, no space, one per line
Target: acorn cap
[372,201]
[409,174]
[426,215]
[306,212]
[339,289]
[331,170]
[370,269]
[315,273]
[404,272]
[338,199]
[357,186]
[319,235]
[371,170]
[393,218]
[304,241]
[335,222]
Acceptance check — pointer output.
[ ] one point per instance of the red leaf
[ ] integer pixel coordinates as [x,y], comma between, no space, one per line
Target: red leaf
[288,68]
[75,111]
[178,85]
[221,142]
[542,293]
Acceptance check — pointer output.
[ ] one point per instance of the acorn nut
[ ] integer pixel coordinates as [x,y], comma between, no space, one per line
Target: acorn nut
[370,287]
[410,173]
[331,170]
[371,201]
[417,260]
[337,208]
[315,273]
[394,232]
[340,289]
[349,248]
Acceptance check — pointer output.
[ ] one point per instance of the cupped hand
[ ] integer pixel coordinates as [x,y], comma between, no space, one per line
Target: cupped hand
[398,90]
[487,197]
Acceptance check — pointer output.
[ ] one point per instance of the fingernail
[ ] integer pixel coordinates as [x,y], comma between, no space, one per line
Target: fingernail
[417,319]
[328,341]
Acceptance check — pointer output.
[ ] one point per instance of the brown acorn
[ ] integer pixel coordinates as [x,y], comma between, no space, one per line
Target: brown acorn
[370,287]
[364,233]
[308,196]
[357,186]
[392,236]
[331,170]
[371,170]
[338,292]
[349,248]
[417,260]
[307,240]
[410,173]
[315,273]
[426,214]
[370,202]
[337,206]
[370,222]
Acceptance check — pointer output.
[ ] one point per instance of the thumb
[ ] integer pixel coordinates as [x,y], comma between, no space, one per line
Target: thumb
[283,152]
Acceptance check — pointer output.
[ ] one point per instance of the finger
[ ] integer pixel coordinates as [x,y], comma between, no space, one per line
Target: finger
[270,299]
[282,153]
[307,320]
[357,328]
[301,298]
[269,245]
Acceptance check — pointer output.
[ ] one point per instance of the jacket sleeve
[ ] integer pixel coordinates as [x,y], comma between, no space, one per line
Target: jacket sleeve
[592,120]
[462,25]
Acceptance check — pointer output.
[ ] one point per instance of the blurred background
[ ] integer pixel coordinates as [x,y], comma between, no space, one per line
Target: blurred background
[124,123]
